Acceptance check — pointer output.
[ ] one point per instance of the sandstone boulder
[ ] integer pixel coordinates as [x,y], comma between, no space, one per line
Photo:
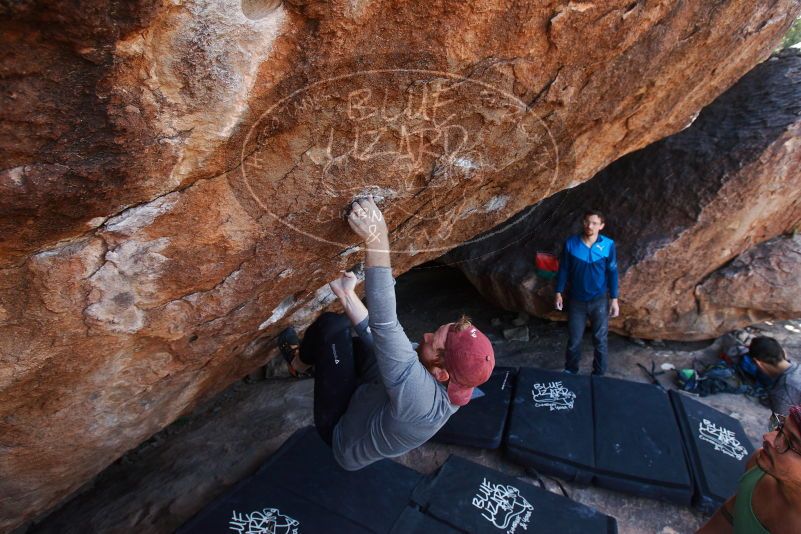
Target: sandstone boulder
[173,175]
[760,284]
[692,215]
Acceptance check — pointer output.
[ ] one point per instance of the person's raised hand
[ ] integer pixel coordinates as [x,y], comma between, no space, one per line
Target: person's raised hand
[343,285]
[368,222]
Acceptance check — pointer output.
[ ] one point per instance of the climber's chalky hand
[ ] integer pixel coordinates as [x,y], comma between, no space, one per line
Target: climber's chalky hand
[368,222]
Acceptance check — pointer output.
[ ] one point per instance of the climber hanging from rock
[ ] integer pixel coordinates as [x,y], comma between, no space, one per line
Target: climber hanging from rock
[376,395]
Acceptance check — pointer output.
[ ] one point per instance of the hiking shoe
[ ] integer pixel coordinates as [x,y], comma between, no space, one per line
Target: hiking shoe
[289,345]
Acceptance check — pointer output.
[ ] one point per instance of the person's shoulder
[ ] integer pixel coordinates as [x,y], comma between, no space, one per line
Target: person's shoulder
[794,374]
[606,239]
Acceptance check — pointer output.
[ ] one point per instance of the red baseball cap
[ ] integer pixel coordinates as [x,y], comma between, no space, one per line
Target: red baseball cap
[469,359]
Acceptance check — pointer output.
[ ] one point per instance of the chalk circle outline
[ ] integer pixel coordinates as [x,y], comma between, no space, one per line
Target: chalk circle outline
[268,112]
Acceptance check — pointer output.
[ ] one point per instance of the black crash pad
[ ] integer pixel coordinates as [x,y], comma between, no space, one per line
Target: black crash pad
[638,445]
[303,481]
[482,422]
[473,498]
[415,521]
[268,510]
[550,427]
[717,448]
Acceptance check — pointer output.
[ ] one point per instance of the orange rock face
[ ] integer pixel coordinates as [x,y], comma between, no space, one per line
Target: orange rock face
[693,215]
[173,175]
[760,284]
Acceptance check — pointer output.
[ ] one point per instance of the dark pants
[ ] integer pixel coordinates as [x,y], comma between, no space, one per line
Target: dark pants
[577,314]
[337,357]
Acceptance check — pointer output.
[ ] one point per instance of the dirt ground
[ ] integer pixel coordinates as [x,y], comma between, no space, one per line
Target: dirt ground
[162,483]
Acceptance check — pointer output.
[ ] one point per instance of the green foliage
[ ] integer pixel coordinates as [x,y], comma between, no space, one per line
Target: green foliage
[793,36]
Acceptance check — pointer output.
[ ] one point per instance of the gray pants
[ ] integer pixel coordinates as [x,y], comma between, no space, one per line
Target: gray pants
[577,314]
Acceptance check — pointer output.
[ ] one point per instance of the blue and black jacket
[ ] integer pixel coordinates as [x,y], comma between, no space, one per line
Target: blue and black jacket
[592,271]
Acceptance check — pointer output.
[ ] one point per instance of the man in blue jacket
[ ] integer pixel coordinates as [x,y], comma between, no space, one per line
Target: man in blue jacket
[588,266]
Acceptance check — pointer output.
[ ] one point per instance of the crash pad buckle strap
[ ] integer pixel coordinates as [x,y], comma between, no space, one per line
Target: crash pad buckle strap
[532,472]
[652,374]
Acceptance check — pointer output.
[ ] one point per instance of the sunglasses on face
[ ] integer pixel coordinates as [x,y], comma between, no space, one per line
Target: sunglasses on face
[782,442]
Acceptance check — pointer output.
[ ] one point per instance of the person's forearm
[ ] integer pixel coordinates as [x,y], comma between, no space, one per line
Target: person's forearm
[378,251]
[355,309]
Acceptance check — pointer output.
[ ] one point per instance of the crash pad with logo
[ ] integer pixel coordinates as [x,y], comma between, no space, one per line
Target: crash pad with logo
[473,498]
[717,448]
[302,487]
[551,424]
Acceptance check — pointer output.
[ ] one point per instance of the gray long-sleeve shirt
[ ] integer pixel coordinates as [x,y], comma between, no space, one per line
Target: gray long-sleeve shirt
[400,406]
